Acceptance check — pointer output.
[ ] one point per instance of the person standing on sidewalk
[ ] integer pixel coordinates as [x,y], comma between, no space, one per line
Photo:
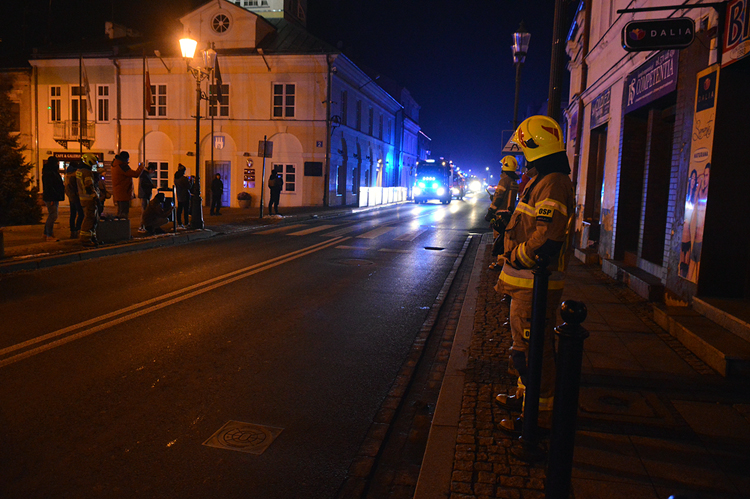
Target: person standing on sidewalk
[275,183]
[182,187]
[53,191]
[503,204]
[217,191]
[71,190]
[145,188]
[540,226]
[88,193]
[122,183]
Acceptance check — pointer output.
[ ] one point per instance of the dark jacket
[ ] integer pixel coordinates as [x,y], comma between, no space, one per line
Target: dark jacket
[182,184]
[217,187]
[155,213]
[275,183]
[145,185]
[53,188]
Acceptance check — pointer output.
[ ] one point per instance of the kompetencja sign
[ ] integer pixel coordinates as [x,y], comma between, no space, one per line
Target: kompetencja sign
[658,34]
[653,79]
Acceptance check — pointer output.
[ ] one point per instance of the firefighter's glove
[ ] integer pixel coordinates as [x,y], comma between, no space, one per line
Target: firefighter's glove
[490,214]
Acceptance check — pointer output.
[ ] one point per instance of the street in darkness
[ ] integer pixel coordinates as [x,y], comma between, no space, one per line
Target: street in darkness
[278,345]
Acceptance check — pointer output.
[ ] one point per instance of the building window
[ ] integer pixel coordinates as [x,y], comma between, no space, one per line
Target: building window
[370,118]
[78,107]
[158,107]
[289,174]
[283,100]
[102,103]
[222,101]
[344,106]
[15,116]
[161,175]
[254,3]
[55,103]
[380,127]
[359,115]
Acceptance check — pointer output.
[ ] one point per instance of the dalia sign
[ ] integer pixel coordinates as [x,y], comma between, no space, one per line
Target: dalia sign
[658,34]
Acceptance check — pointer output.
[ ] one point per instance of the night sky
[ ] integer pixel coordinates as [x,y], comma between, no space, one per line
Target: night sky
[453,56]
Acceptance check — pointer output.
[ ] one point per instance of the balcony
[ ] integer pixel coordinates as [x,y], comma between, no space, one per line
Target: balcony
[75,131]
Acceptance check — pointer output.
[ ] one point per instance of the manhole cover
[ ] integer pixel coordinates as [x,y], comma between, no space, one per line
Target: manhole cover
[243,437]
[356,262]
[433,248]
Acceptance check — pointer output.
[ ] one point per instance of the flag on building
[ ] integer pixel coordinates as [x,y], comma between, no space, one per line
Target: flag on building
[217,74]
[147,95]
[86,87]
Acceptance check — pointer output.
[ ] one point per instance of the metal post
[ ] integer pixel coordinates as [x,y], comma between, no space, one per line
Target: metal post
[565,412]
[196,221]
[518,89]
[263,175]
[529,450]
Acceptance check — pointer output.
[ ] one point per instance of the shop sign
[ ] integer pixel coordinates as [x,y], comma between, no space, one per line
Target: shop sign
[655,78]
[658,34]
[600,109]
[737,31]
[699,169]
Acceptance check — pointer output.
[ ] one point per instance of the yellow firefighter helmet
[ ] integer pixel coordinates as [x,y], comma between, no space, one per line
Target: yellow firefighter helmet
[539,136]
[509,164]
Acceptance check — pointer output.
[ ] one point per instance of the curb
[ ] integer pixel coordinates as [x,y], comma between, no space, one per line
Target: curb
[45,261]
[78,256]
[437,464]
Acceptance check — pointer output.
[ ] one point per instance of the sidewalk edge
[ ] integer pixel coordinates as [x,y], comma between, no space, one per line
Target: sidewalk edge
[437,464]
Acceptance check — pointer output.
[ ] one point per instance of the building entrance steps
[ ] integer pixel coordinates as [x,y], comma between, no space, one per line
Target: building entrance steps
[717,346]
[646,285]
[731,314]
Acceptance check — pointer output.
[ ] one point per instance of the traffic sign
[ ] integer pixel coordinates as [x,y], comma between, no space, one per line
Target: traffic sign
[658,34]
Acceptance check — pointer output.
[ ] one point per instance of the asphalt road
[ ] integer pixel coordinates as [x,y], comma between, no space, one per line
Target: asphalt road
[115,372]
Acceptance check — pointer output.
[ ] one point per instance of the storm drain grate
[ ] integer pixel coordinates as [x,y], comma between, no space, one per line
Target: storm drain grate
[433,248]
[243,437]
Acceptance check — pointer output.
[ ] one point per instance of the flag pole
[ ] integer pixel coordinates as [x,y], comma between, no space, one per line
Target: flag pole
[80,107]
[143,140]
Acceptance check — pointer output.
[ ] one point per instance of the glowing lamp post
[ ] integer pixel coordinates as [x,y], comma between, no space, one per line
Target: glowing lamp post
[188,47]
[520,47]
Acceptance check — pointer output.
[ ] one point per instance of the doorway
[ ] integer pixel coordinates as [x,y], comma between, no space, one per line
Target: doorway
[594,183]
[223,168]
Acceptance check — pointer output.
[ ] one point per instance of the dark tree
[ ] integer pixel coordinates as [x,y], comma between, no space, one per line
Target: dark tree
[18,195]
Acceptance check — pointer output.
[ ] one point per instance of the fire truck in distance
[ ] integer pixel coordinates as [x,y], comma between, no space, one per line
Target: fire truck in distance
[433,180]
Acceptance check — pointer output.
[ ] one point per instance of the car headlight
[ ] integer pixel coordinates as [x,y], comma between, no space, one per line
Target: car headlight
[476,186]
[421,185]
[435,185]
[417,191]
[440,191]
[454,191]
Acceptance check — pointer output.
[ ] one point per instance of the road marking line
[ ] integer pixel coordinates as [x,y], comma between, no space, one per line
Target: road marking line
[280,229]
[375,233]
[389,250]
[354,248]
[411,236]
[176,297]
[311,230]
[345,230]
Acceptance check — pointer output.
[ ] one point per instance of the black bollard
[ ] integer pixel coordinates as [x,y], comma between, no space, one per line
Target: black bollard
[529,450]
[567,383]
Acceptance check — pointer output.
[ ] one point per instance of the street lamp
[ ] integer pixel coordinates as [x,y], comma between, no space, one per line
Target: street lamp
[520,47]
[187,47]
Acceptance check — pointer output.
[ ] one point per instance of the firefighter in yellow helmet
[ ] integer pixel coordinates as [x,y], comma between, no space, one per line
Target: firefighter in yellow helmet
[540,226]
[503,204]
[88,192]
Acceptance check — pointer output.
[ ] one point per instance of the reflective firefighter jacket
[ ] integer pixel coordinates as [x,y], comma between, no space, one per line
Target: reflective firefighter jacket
[540,225]
[505,195]
[87,188]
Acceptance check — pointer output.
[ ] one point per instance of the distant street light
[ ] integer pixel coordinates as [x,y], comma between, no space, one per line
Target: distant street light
[520,48]
[187,47]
